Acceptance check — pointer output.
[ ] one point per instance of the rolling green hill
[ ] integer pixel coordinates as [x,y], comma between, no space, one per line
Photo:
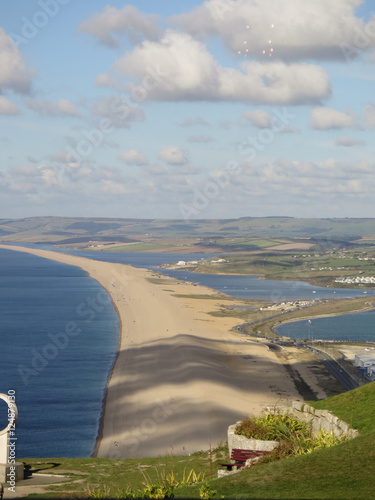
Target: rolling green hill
[65,229]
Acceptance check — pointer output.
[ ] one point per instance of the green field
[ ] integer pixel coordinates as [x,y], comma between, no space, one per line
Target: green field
[318,268]
[140,247]
[60,229]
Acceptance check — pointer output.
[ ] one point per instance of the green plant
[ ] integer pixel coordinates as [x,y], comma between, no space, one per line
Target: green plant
[273,426]
[206,493]
[294,436]
[98,492]
[191,478]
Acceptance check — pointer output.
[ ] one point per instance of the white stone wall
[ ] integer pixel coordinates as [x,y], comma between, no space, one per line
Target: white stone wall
[319,419]
[242,443]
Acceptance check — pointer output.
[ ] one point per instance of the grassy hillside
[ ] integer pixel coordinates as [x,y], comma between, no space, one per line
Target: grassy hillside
[341,472]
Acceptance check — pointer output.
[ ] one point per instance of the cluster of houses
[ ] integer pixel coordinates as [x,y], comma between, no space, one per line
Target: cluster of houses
[299,304]
[366,362]
[183,263]
[357,279]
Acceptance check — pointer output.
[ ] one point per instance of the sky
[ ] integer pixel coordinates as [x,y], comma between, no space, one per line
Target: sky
[187,109]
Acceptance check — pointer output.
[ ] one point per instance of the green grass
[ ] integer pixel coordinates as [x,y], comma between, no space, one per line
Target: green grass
[294,266]
[114,476]
[245,243]
[139,247]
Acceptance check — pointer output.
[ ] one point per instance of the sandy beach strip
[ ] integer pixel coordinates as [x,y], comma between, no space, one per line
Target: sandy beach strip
[181,375]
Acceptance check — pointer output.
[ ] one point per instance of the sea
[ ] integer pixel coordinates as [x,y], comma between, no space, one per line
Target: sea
[59,335]
[358,327]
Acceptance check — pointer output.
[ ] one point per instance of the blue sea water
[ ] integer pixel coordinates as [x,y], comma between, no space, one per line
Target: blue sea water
[353,327]
[59,335]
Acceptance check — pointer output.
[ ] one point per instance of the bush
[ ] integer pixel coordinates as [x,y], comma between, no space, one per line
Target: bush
[273,427]
[294,436]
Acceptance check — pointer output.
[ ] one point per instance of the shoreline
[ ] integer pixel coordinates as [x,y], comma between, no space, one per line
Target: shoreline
[176,364]
[100,434]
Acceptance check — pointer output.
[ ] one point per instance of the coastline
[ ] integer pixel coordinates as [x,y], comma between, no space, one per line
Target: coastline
[181,376]
[100,434]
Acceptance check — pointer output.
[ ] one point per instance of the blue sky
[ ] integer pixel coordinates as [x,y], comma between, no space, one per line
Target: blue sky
[192,109]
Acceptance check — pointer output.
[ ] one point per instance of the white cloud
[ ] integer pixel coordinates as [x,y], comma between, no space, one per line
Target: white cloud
[133,157]
[200,138]
[14,74]
[49,108]
[188,72]
[327,118]
[369,115]
[8,108]
[173,155]
[309,29]
[107,81]
[309,179]
[128,21]
[258,118]
[349,142]
[119,111]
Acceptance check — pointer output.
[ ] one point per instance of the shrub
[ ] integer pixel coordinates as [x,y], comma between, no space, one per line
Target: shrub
[294,436]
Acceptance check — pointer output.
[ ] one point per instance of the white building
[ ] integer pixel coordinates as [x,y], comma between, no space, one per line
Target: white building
[364,360]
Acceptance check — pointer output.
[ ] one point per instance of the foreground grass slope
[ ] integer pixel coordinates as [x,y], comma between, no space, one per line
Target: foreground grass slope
[341,472]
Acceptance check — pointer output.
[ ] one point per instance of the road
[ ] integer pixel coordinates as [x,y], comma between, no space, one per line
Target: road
[339,373]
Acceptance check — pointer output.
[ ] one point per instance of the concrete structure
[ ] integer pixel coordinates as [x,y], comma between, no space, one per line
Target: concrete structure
[371,372]
[242,443]
[10,470]
[320,420]
[363,360]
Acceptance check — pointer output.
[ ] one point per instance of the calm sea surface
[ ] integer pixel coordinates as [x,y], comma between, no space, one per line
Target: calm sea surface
[56,353]
[57,350]
[360,326]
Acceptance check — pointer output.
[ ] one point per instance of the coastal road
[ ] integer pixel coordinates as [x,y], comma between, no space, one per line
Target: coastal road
[340,374]
[345,379]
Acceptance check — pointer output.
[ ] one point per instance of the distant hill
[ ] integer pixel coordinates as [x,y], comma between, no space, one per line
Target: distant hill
[69,229]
